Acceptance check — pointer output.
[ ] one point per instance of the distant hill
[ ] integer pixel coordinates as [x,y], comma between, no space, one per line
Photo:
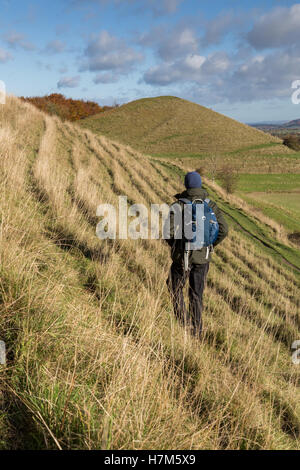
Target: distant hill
[66,108]
[168,125]
[294,123]
[268,124]
[275,123]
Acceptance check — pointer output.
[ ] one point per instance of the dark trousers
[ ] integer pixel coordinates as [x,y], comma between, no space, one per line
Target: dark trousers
[176,282]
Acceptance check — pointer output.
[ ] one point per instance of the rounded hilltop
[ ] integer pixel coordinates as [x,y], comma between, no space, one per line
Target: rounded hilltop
[170,125]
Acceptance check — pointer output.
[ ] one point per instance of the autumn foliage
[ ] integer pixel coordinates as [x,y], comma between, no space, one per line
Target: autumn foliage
[66,108]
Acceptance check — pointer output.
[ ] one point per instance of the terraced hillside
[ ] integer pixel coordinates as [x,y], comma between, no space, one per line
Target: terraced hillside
[169,126]
[95,356]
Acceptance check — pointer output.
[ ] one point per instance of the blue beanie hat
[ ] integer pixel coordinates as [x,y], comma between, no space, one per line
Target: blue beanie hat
[192,180]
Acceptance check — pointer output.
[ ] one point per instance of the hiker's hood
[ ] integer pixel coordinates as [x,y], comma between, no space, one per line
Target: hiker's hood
[193,193]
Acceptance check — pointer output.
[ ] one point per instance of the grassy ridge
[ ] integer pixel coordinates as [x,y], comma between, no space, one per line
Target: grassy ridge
[168,125]
[95,356]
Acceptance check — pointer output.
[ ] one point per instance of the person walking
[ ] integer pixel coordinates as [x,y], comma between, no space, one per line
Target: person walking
[194,264]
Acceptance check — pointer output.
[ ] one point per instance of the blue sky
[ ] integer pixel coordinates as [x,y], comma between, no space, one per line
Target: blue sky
[236,57]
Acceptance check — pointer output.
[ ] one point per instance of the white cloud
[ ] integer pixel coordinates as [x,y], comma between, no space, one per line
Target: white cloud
[4,56]
[162,75]
[278,28]
[218,62]
[54,47]
[15,40]
[178,43]
[220,78]
[68,82]
[191,68]
[195,61]
[171,44]
[264,77]
[105,78]
[223,24]
[170,6]
[106,53]
[260,78]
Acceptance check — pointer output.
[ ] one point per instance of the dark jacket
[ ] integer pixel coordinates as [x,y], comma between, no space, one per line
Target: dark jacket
[177,246]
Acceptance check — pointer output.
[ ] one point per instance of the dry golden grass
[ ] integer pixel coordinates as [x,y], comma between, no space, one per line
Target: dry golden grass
[96,358]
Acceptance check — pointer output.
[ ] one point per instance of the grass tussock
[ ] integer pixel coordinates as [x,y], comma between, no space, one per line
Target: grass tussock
[96,359]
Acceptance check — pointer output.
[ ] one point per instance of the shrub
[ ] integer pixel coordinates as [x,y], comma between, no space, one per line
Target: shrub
[228,176]
[292,141]
[66,108]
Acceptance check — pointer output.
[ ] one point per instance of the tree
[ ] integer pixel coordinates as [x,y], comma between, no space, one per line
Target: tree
[228,176]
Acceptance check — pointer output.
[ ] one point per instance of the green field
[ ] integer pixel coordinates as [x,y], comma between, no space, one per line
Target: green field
[276,195]
[282,207]
[268,182]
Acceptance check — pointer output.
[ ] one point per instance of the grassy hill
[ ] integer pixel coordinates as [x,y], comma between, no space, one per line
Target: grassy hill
[171,126]
[96,359]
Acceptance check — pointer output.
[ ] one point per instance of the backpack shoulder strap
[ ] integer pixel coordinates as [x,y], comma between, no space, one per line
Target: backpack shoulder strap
[185,200]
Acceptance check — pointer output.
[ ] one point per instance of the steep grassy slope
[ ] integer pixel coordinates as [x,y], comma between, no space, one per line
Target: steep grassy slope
[172,126]
[95,356]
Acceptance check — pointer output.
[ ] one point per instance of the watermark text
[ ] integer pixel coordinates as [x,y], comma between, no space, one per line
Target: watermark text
[296,93]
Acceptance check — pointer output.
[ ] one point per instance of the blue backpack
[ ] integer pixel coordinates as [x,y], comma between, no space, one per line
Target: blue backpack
[201,227]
